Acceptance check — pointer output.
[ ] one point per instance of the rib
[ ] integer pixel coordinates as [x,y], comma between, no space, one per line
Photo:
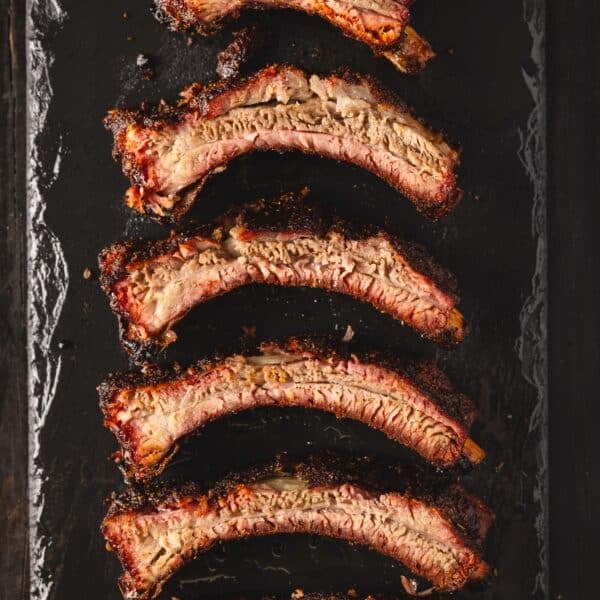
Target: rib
[411,54]
[413,404]
[152,287]
[168,152]
[435,534]
[381,24]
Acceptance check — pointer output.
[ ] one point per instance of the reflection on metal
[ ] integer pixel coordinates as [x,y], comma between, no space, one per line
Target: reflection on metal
[47,276]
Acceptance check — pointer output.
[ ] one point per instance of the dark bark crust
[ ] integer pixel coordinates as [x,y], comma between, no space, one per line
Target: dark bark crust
[425,375]
[199,97]
[414,51]
[468,514]
[178,16]
[289,213]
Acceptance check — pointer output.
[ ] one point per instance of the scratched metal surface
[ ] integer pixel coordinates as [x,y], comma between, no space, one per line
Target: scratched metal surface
[485,90]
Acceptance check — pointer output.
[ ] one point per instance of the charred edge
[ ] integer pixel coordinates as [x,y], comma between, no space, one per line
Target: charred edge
[113,260]
[186,199]
[178,16]
[290,212]
[469,515]
[299,212]
[411,54]
[139,351]
[112,263]
[425,375]
[198,97]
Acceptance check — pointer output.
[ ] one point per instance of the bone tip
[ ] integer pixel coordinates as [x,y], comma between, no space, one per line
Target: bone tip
[456,325]
[456,319]
[473,451]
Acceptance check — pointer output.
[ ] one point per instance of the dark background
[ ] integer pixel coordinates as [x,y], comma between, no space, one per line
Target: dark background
[573,127]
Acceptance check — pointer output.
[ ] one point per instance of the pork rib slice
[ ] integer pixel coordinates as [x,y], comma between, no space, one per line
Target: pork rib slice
[381,24]
[414,404]
[434,534]
[153,287]
[169,152]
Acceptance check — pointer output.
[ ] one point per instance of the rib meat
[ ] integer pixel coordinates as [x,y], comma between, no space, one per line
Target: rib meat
[435,534]
[152,287]
[413,404]
[381,24]
[170,151]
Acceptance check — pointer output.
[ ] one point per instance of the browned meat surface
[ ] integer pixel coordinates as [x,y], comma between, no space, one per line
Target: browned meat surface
[436,535]
[411,54]
[381,24]
[376,22]
[413,404]
[154,286]
[169,153]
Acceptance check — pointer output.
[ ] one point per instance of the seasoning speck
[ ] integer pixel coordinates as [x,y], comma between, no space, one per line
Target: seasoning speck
[87,273]
[64,344]
[144,62]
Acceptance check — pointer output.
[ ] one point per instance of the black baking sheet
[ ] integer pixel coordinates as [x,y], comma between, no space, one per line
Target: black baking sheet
[484,90]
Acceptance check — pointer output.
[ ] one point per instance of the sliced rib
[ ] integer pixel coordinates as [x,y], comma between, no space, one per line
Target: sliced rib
[434,534]
[414,404]
[170,151]
[381,24]
[154,286]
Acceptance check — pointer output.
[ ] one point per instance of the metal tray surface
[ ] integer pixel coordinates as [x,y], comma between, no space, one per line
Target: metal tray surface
[485,90]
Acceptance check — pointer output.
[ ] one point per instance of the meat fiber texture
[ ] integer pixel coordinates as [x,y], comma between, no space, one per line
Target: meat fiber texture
[376,22]
[414,404]
[381,24]
[153,286]
[168,153]
[435,536]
